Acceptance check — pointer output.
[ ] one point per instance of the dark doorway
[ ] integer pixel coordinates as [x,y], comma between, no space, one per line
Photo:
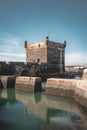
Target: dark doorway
[38,60]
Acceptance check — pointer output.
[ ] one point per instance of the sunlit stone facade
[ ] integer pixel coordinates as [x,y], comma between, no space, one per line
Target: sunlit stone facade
[48,52]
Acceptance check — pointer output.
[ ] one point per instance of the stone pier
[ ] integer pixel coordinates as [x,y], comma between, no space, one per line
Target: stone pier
[29,84]
[3,81]
[76,89]
[60,87]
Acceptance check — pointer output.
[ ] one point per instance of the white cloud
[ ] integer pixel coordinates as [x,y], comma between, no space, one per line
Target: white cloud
[10,44]
[12,57]
[11,48]
[76,58]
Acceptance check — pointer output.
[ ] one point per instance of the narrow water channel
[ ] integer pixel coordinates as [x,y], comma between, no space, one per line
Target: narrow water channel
[37,111]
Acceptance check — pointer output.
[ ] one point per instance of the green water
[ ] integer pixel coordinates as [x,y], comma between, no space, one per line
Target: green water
[24,111]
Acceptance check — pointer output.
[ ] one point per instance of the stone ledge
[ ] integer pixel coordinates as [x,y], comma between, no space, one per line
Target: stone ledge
[76,89]
[29,84]
[4,81]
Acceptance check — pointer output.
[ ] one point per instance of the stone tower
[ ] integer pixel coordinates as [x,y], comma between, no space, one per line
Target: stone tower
[48,52]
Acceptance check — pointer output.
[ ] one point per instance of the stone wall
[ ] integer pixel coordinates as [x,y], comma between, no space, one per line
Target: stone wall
[60,87]
[36,52]
[84,76]
[80,93]
[28,84]
[76,89]
[56,54]
[42,70]
[3,81]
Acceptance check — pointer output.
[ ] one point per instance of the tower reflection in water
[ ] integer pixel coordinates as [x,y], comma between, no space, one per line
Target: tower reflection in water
[36,111]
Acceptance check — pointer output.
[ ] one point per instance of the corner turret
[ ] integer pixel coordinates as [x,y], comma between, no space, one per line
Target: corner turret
[25,44]
[46,40]
[64,44]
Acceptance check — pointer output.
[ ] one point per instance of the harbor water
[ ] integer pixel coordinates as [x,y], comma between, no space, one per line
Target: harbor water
[37,111]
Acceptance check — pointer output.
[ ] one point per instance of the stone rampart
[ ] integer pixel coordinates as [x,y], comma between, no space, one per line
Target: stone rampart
[76,89]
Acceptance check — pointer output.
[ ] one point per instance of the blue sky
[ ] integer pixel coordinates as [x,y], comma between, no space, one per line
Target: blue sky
[32,20]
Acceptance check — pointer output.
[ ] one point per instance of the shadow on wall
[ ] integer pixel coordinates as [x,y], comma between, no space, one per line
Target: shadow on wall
[25,73]
[38,87]
[11,82]
[1,85]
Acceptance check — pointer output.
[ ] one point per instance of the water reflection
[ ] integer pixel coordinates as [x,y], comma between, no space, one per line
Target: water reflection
[20,110]
[37,97]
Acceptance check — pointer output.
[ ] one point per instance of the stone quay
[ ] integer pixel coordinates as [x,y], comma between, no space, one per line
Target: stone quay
[76,89]
[29,84]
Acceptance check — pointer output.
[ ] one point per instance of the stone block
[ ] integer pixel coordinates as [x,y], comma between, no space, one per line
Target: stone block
[3,81]
[60,87]
[80,94]
[7,81]
[29,84]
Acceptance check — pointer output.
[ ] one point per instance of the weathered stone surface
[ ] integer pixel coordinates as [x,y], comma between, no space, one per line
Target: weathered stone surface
[45,52]
[61,87]
[84,76]
[42,70]
[80,94]
[7,81]
[48,52]
[76,89]
[29,84]
[3,81]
